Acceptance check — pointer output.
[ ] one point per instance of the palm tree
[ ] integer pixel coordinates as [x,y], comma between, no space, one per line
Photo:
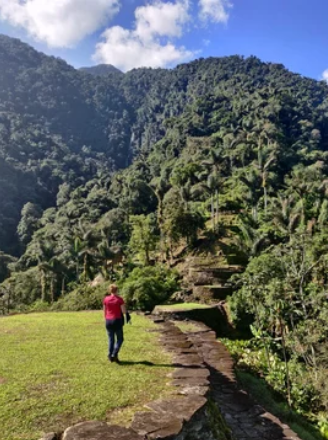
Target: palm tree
[106,255]
[250,190]
[216,163]
[186,194]
[250,240]
[85,248]
[287,214]
[265,159]
[56,268]
[158,186]
[304,182]
[44,254]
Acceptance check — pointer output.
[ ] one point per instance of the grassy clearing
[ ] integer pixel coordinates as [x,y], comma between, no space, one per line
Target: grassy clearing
[54,372]
[183,306]
[260,390]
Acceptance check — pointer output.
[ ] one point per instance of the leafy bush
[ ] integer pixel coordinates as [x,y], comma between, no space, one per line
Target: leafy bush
[253,357]
[84,297]
[38,306]
[148,286]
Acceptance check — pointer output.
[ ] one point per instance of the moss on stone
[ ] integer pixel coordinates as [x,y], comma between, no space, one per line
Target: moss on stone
[218,425]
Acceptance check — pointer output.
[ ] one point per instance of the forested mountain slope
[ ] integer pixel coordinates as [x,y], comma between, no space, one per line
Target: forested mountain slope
[101,70]
[56,124]
[59,125]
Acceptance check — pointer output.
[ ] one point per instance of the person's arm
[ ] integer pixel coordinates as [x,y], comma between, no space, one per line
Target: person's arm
[125,313]
[104,309]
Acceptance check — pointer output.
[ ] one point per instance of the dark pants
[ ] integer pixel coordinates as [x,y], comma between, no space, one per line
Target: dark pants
[114,329]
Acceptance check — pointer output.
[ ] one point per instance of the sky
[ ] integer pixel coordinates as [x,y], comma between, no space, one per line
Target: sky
[163,33]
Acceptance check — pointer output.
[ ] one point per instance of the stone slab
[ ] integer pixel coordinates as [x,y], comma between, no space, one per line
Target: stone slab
[190,381]
[99,431]
[178,344]
[156,425]
[193,390]
[183,408]
[190,372]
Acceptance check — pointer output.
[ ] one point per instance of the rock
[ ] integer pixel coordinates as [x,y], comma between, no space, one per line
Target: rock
[178,344]
[190,381]
[183,408]
[190,372]
[188,359]
[99,431]
[193,390]
[156,425]
[50,436]
[97,281]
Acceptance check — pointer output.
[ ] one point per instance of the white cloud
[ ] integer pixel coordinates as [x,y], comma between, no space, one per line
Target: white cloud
[150,42]
[216,11]
[325,75]
[163,19]
[59,23]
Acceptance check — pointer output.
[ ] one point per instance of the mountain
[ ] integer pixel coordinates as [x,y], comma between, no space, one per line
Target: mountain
[56,124]
[59,125]
[101,70]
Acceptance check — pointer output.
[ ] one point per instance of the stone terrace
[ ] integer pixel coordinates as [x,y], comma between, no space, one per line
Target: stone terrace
[207,403]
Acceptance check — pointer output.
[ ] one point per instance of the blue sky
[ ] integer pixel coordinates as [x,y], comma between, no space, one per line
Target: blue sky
[157,33]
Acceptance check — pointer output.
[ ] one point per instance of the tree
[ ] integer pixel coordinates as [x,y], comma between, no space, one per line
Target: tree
[143,238]
[29,223]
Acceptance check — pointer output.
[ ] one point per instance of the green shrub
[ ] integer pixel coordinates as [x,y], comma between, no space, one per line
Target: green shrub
[38,306]
[149,286]
[252,357]
[84,297]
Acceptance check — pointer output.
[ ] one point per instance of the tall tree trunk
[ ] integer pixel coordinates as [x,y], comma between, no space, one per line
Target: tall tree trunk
[216,208]
[43,281]
[160,225]
[63,287]
[265,199]
[284,349]
[212,211]
[85,267]
[52,289]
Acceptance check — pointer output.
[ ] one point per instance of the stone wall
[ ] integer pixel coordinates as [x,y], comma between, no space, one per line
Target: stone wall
[215,317]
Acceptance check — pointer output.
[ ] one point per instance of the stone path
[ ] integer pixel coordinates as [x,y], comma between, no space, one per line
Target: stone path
[246,419]
[203,377]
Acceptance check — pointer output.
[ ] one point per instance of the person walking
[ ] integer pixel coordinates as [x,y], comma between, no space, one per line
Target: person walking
[114,311]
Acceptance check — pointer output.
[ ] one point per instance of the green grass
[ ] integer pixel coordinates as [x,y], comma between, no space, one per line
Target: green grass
[54,372]
[260,390]
[183,306]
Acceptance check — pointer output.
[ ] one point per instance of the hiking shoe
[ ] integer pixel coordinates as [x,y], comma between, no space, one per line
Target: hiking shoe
[111,358]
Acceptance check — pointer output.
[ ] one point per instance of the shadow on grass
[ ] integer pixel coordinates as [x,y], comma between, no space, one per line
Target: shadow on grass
[147,363]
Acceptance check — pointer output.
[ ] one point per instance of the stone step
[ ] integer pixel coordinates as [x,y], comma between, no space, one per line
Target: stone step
[212,292]
[221,272]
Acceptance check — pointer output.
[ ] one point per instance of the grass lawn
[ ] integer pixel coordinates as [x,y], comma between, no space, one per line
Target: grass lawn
[54,372]
[183,306]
